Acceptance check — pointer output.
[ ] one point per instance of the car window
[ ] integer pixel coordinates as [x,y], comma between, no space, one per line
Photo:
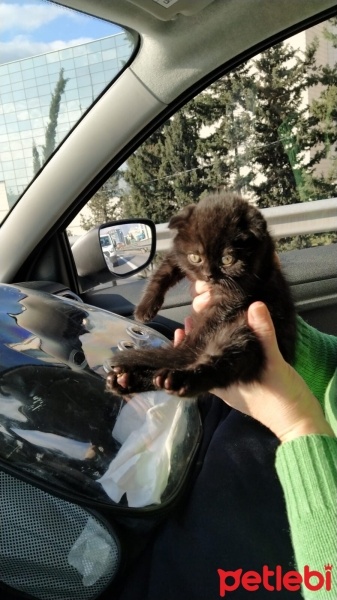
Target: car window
[54,63]
[267,129]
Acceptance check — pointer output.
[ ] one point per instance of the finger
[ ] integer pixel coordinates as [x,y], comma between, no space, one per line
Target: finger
[260,321]
[201,301]
[188,324]
[179,335]
[201,287]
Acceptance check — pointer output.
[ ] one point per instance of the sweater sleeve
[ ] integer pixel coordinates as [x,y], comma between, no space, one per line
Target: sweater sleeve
[307,466]
[315,358]
[307,469]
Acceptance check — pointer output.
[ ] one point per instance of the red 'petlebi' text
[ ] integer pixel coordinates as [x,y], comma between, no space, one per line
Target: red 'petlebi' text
[274,580]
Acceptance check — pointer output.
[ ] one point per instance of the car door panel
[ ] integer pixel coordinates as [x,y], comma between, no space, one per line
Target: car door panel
[311,273]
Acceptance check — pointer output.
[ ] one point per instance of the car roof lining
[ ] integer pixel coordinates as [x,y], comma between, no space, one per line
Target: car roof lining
[172,49]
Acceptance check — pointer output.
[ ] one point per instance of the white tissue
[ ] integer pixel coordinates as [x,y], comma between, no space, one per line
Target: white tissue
[149,427]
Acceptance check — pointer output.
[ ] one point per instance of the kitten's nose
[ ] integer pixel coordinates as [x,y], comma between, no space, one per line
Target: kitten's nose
[208,277]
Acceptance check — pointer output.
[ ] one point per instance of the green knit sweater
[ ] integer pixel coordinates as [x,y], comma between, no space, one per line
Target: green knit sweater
[307,467]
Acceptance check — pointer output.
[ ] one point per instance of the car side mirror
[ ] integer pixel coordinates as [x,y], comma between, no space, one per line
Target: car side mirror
[122,247]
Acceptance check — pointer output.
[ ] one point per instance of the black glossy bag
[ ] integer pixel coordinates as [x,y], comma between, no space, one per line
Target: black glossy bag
[84,474]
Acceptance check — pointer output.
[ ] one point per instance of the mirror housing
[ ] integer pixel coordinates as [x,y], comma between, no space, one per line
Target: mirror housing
[120,248]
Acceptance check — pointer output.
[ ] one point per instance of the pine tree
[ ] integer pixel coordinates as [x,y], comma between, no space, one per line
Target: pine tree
[281,122]
[323,131]
[164,174]
[148,194]
[103,206]
[225,111]
[180,166]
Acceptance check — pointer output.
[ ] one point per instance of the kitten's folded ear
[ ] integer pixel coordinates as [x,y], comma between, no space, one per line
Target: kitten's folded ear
[180,219]
[257,223]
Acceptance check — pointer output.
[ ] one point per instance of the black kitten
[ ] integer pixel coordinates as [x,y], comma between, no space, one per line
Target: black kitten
[222,240]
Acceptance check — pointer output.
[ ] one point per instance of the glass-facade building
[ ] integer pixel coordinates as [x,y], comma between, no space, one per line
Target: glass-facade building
[26,92]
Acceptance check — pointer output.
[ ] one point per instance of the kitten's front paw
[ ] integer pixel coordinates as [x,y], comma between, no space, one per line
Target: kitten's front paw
[174,382]
[144,314]
[118,381]
[128,379]
[147,309]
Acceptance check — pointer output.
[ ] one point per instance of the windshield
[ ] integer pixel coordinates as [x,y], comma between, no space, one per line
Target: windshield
[105,241]
[54,63]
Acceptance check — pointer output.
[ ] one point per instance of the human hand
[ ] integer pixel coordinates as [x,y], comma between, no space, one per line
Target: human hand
[281,400]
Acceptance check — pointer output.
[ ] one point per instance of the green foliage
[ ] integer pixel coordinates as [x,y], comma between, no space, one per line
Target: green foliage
[147,191]
[226,109]
[180,165]
[283,74]
[103,206]
[297,242]
[330,35]
[164,173]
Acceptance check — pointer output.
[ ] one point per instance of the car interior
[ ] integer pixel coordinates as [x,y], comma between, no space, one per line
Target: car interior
[55,270]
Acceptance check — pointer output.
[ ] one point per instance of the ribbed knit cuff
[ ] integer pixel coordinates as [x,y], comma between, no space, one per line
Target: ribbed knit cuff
[307,470]
[316,358]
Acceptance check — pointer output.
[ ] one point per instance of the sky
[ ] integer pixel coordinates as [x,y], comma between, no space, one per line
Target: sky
[31,27]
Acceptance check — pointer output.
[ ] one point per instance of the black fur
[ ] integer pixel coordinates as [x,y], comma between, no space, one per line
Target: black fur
[237,258]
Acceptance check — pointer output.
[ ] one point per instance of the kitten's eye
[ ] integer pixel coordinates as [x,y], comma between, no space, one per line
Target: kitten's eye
[194,258]
[227,259]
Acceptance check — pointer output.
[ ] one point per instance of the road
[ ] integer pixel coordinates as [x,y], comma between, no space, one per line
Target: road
[130,259]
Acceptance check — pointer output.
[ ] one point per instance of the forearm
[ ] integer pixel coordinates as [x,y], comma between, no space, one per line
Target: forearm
[307,470]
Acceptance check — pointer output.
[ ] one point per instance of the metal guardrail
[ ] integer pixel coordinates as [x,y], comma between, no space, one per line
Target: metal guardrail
[317,216]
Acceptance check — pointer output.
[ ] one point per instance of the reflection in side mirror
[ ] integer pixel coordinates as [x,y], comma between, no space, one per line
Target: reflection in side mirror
[128,246]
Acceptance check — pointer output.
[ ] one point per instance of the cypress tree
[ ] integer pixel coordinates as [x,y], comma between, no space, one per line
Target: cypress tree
[51,129]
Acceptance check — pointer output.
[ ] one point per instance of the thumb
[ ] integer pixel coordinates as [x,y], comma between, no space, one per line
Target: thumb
[261,323]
